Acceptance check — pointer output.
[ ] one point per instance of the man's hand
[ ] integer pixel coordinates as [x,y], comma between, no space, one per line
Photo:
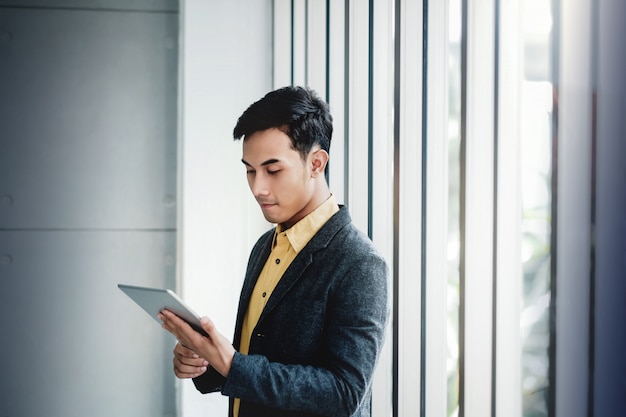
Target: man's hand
[187,364]
[215,350]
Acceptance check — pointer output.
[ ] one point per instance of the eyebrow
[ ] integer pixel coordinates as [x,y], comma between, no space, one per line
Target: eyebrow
[268,162]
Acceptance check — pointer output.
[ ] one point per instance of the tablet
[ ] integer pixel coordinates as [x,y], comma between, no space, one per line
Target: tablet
[153,300]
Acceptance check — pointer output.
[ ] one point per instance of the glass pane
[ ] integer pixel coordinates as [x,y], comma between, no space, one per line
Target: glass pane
[536,119]
[454,186]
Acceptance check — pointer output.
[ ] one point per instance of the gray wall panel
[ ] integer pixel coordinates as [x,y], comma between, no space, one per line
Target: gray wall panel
[88,108]
[143,5]
[88,119]
[73,343]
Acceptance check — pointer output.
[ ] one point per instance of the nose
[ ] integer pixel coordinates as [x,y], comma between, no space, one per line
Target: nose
[258,185]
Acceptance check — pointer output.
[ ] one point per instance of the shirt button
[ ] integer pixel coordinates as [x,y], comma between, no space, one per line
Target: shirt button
[264,294]
[277,261]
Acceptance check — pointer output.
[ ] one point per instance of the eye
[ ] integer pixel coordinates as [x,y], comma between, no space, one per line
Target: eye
[274,172]
[250,172]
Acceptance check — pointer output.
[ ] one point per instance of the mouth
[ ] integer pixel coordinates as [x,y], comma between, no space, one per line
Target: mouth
[265,205]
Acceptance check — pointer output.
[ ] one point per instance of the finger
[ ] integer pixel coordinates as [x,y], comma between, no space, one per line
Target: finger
[182,370]
[209,327]
[221,351]
[188,357]
[172,320]
[178,327]
[182,350]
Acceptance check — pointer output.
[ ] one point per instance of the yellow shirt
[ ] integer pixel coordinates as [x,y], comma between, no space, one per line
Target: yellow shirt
[286,246]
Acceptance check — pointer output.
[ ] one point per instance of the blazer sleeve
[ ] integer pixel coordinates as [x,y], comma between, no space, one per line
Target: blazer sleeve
[210,381]
[340,380]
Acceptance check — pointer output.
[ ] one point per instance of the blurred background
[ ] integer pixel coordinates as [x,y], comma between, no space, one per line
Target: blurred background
[480,144]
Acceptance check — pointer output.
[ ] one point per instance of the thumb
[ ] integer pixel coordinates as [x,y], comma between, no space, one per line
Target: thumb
[207,326]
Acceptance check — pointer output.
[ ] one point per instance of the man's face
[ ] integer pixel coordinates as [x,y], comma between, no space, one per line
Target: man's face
[278,177]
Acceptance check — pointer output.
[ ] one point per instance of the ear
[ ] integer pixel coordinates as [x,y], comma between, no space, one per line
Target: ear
[318,160]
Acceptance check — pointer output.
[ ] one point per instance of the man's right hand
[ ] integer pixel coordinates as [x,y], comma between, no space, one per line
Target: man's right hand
[187,364]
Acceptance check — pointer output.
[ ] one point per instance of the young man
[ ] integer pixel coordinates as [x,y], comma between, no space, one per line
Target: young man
[313,307]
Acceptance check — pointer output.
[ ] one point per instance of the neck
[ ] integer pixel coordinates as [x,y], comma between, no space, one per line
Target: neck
[321,194]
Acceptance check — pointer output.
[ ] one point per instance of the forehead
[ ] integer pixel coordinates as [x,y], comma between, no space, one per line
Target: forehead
[267,144]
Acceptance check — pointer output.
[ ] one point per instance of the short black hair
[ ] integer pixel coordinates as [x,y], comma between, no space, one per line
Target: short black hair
[296,111]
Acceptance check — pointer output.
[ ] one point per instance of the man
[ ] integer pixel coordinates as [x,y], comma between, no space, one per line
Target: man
[313,306]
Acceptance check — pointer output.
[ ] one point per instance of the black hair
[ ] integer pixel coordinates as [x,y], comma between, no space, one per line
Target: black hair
[296,111]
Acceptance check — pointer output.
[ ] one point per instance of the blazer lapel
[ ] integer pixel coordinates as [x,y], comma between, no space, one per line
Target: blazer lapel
[252,275]
[302,261]
[289,278]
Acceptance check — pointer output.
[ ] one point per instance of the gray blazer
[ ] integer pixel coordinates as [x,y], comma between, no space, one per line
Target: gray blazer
[317,342]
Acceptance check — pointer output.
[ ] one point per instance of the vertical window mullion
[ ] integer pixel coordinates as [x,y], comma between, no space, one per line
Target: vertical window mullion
[477,262]
[358,113]
[609,309]
[299,47]
[573,212]
[382,176]
[281,38]
[508,273]
[336,96]
[436,210]
[316,45]
[409,211]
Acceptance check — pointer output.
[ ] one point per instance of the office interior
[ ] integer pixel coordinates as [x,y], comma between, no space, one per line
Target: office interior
[479,143]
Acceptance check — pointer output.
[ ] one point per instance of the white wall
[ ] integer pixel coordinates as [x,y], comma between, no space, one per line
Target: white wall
[226,64]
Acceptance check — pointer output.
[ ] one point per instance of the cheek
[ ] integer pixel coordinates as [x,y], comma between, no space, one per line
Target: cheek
[296,184]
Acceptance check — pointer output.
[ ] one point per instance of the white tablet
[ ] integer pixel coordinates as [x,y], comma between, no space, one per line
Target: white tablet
[153,300]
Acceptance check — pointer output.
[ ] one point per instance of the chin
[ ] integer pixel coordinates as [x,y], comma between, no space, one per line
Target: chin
[277,218]
[272,219]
